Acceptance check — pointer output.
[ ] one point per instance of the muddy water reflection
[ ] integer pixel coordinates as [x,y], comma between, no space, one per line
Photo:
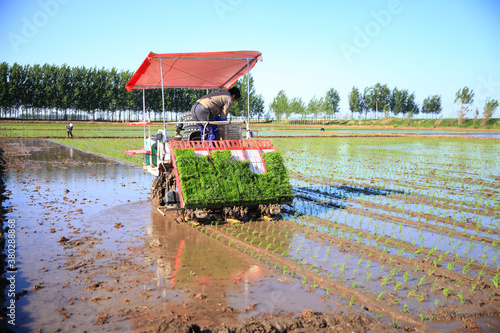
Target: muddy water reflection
[218,278]
[123,263]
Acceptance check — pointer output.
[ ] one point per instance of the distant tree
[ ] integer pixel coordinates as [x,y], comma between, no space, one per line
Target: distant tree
[50,89]
[257,107]
[81,84]
[280,105]
[297,106]
[65,89]
[330,104]
[17,78]
[398,101]
[403,103]
[314,107]
[5,97]
[101,92]
[489,109]
[110,90]
[355,101]
[432,105]
[411,105]
[376,98]
[38,81]
[464,97]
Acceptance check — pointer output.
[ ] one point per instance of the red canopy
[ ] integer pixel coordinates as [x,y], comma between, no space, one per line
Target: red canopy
[202,70]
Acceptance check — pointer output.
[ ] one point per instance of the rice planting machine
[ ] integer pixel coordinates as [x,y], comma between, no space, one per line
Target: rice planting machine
[233,178]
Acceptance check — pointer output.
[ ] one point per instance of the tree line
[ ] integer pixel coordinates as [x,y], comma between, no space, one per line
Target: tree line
[464,99]
[71,93]
[378,100]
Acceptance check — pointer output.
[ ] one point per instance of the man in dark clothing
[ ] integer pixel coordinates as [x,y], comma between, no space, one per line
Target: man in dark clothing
[216,104]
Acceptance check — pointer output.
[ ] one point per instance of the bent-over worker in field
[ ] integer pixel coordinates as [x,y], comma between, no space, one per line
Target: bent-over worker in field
[69,129]
[216,104]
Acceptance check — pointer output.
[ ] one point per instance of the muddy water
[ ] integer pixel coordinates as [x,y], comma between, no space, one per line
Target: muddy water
[92,254]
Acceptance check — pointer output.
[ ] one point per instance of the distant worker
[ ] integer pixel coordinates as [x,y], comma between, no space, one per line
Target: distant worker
[69,129]
[214,106]
[322,129]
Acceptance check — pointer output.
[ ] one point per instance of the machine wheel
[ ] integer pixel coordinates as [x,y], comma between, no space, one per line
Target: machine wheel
[235,212]
[164,182]
[198,215]
[158,190]
[269,209]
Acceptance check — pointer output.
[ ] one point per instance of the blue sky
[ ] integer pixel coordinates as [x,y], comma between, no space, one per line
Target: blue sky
[308,47]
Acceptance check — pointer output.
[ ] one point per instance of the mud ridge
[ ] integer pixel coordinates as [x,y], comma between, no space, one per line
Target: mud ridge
[307,321]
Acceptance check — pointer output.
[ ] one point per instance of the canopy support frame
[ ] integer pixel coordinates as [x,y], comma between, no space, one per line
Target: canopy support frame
[144,111]
[248,100]
[163,102]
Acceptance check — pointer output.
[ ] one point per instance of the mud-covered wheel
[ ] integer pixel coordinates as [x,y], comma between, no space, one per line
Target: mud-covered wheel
[235,212]
[158,190]
[269,209]
[163,183]
[197,215]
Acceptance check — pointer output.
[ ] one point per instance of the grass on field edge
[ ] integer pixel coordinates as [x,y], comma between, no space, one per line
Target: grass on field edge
[113,149]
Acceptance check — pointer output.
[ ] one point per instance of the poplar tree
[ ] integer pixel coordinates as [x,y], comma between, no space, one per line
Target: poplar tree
[432,105]
[489,109]
[355,101]
[376,98]
[331,102]
[464,98]
[280,105]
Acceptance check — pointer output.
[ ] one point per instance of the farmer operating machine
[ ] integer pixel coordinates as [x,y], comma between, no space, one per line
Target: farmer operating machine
[233,178]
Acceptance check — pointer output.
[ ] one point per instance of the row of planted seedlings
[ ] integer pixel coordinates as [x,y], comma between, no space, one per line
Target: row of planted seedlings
[390,171]
[405,166]
[316,263]
[480,224]
[473,197]
[476,200]
[430,261]
[452,230]
[481,212]
[474,253]
[463,229]
[311,251]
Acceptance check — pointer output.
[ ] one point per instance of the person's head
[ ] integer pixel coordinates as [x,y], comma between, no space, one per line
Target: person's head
[235,93]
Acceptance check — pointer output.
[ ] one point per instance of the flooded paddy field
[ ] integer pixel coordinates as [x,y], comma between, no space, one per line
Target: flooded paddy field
[385,234]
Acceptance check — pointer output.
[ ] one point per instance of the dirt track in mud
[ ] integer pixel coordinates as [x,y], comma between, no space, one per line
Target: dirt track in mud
[94,256]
